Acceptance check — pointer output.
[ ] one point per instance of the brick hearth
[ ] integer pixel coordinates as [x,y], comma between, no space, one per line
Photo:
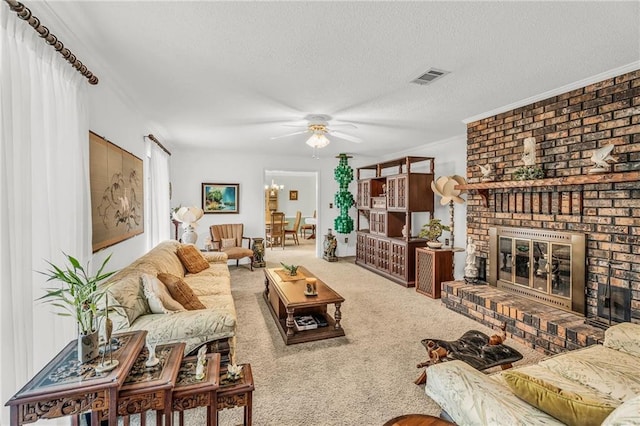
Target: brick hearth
[538,326]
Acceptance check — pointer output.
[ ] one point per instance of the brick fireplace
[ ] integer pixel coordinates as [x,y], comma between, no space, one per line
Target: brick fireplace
[606,209]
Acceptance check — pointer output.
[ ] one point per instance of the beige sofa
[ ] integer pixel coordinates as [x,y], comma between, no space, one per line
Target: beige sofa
[607,373]
[214,326]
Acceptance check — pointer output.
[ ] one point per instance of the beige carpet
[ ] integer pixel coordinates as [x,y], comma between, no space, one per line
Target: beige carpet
[363,378]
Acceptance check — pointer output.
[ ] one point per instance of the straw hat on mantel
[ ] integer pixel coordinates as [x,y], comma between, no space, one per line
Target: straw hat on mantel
[444,186]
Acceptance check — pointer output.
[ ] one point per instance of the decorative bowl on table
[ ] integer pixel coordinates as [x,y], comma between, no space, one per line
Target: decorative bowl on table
[434,244]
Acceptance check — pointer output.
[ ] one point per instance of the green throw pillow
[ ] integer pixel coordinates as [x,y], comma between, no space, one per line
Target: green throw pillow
[568,407]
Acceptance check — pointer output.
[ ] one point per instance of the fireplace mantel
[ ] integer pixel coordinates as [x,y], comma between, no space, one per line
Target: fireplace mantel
[484,187]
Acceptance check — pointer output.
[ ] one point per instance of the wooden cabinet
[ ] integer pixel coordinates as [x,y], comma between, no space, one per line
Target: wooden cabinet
[270,202]
[433,267]
[387,197]
[364,192]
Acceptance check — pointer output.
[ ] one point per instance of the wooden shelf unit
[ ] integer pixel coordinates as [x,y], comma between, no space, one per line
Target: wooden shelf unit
[484,187]
[387,196]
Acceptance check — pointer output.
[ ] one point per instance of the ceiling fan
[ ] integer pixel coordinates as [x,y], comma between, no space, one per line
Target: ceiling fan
[318,125]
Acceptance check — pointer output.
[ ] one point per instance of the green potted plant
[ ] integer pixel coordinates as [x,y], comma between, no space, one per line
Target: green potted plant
[78,297]
[432,231]
[292,270]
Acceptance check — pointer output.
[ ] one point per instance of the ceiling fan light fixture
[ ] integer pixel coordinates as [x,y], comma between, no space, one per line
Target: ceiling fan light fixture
[318,140]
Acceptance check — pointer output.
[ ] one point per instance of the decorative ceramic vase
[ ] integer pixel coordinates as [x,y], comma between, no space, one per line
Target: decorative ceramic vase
[330,244]
[88,346]
[189,236]
[258,253]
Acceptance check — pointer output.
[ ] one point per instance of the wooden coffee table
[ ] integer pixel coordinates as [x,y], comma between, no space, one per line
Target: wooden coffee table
[286,299]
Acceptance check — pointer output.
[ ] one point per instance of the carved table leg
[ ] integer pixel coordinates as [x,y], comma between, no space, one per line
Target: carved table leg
[338,316]
[266,287]
[290,323]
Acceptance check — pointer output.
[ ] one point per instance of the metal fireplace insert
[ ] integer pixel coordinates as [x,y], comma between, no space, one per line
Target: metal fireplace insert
[543,265]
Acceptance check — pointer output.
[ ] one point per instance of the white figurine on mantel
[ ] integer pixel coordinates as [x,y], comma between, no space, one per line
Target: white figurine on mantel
[470,269]
[487,172]
[201,363]
[529,154]
[600,158]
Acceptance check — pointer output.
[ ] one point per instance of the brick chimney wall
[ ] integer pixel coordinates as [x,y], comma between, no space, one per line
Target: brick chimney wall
[567,129]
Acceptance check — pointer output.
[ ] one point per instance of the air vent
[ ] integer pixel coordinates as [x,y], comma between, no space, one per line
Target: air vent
[430,76]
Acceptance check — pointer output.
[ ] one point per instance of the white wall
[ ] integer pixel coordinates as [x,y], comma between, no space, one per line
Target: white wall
[112,117]
[192,167]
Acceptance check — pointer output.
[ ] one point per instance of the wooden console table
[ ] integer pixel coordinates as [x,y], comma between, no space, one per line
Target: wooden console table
[65,387]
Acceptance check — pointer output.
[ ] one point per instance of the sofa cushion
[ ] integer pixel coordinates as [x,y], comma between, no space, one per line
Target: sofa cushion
[126,295]
[159,298]
[471,397]
[568,407]
[539,372]
[610,372]
[192,259]
[181,291]
[624,337]
[627,414]
[228,242]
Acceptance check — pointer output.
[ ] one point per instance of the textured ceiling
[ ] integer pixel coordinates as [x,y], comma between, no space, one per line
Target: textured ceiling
[233,74]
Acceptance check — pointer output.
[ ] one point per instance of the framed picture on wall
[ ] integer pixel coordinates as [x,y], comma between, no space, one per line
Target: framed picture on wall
[116,181]
[221,197]
[293,195]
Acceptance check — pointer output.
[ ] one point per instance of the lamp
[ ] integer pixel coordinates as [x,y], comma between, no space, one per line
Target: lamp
[273,187]
[189,216]
[318,140]
[444,186]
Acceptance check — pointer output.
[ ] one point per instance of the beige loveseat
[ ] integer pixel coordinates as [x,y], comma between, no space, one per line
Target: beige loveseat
[214,326]
[608,374]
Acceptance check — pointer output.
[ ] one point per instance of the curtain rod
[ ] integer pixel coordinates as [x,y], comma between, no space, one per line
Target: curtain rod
[153,138]
[25,14]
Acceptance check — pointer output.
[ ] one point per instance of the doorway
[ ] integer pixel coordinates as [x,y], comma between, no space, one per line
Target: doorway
[289,192]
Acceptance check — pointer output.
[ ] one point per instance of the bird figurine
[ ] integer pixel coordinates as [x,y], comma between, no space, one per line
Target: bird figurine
[600,158]
[487,172]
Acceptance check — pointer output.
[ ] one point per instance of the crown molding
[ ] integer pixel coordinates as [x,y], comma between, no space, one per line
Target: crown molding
[633,66]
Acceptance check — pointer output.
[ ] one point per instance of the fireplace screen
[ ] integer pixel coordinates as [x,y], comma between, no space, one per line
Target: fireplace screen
[544,265]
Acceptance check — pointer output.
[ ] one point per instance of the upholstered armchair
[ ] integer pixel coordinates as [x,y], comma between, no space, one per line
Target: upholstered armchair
[228,238]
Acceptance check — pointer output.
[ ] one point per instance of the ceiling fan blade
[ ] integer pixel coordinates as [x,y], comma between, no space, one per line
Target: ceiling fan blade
[345,136]
[288,134]
[349,125]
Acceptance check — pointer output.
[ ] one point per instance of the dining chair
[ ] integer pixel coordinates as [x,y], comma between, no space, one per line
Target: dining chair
[310,226]
[275,231]
[296,227]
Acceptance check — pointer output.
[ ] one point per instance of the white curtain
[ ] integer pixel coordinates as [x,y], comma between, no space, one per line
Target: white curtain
[157,195]
[44,195]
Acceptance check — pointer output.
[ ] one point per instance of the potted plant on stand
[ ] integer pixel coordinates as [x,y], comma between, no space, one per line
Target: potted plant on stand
[432,231]
[78,297]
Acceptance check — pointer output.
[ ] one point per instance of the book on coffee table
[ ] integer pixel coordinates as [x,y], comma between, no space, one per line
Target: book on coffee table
[305,322]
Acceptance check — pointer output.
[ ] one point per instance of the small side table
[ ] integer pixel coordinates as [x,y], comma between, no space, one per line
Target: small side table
[238,393]
[149,388]
[190,392]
